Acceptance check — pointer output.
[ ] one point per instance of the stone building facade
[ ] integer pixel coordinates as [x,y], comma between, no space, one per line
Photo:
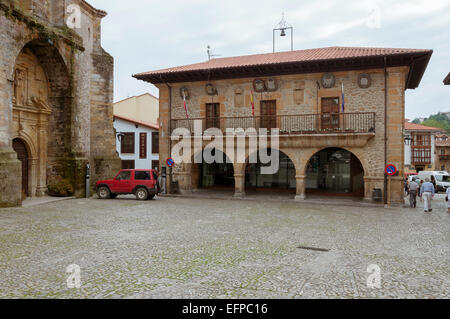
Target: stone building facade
[420,152]
[442,153]
[369,130]
[56,94]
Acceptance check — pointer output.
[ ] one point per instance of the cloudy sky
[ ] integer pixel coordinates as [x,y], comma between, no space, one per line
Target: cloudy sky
[145,35]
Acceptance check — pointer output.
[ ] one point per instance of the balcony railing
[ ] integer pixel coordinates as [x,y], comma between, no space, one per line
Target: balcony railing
[326,123]
[444,157]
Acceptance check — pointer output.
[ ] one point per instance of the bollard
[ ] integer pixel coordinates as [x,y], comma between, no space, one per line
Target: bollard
[163,175]
[88,177]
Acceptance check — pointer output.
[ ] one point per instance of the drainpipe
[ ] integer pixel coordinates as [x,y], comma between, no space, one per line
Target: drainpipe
[385,132]
[169,130]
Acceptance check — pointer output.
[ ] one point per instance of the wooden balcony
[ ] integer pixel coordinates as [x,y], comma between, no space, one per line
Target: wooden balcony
[444,157]
[302,124]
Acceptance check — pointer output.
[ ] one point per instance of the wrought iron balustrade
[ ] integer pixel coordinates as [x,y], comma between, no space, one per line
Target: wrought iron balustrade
[325,123]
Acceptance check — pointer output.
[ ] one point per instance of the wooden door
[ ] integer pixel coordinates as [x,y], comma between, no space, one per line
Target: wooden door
[212,115]
[330,113]
[268,114]
[22,154]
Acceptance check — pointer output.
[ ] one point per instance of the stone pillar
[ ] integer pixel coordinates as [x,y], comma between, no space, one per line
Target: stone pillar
[395,125]
[34,167]
[300,190]
[10,174]
[239,185]
[371,182]
[184,178]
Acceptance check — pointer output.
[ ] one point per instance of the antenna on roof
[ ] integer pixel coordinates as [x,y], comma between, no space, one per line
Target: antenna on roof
[209,52]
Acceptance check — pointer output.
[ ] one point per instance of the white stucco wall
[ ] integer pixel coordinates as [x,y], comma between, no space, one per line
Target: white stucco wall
[129,127]
[408,148]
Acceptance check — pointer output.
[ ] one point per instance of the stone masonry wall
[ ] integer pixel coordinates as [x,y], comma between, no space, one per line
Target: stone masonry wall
[82,105]
[289,101]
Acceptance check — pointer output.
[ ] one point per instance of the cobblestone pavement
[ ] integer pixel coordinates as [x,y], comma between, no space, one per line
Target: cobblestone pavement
[204,248]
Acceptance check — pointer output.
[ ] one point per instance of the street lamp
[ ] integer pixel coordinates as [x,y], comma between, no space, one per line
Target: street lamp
[407,139]
[282,26]
[120,135]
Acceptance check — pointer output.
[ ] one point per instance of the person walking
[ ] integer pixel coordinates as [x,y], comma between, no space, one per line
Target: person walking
[406,186]
[433,181]
[427,193]
[413,187]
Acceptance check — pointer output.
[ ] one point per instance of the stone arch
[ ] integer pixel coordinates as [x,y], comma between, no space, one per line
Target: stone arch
[42,110]
[307,154]
[356,182]
[26,138]
[287,156]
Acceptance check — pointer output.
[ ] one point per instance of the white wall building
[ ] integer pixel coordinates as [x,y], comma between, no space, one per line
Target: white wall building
[138,143]
[420,151]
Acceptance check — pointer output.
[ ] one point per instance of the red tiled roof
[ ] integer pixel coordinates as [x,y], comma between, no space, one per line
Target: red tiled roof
[143,123]
[419,127]
[443,140]
[329,53]
[310,56]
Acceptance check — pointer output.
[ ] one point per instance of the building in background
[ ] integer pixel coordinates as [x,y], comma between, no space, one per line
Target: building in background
[420,152]
[137,143]
[442,156]
[56,94]
[326,147]
[143,107]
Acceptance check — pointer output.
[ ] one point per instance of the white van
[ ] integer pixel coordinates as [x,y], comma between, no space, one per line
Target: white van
[442,178]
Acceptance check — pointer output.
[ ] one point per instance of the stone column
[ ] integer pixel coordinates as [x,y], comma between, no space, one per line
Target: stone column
[10,166]
[239,185]
[34,177]
[300,190]
[371,182]
[239,179]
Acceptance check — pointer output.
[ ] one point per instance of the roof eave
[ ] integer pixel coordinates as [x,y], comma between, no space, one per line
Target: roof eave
[417,61]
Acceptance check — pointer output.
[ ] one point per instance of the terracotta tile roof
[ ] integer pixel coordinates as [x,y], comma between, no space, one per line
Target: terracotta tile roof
[329,53]
[143,123]
[443,140]
[419,127]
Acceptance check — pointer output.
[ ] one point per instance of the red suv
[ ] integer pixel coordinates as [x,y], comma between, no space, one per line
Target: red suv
[141,182]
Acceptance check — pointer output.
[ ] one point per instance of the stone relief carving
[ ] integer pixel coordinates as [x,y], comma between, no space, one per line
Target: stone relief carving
[20,86]
[238,97]
[30,83]
[299,92]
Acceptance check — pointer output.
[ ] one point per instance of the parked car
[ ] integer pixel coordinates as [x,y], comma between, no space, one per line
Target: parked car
[410,176]
[141,182]
[442,179]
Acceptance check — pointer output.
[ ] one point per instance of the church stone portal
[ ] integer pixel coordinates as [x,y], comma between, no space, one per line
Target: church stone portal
[56,94]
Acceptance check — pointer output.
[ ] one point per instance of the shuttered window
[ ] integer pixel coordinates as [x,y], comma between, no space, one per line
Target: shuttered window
[127,143]
[155,143]
[142,145]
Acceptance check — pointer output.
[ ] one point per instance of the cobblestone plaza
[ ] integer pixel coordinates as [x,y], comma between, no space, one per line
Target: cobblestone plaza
[210,248]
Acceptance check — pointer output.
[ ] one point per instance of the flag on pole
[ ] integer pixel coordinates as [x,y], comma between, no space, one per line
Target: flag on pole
[343,98]
[252,101]
[185,105]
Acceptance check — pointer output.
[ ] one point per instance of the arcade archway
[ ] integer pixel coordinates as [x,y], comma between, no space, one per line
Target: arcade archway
[335,171]
[219,174]
[282,179]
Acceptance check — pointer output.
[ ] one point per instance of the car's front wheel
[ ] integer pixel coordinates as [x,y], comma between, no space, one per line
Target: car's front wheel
[141,193]
[103,192]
